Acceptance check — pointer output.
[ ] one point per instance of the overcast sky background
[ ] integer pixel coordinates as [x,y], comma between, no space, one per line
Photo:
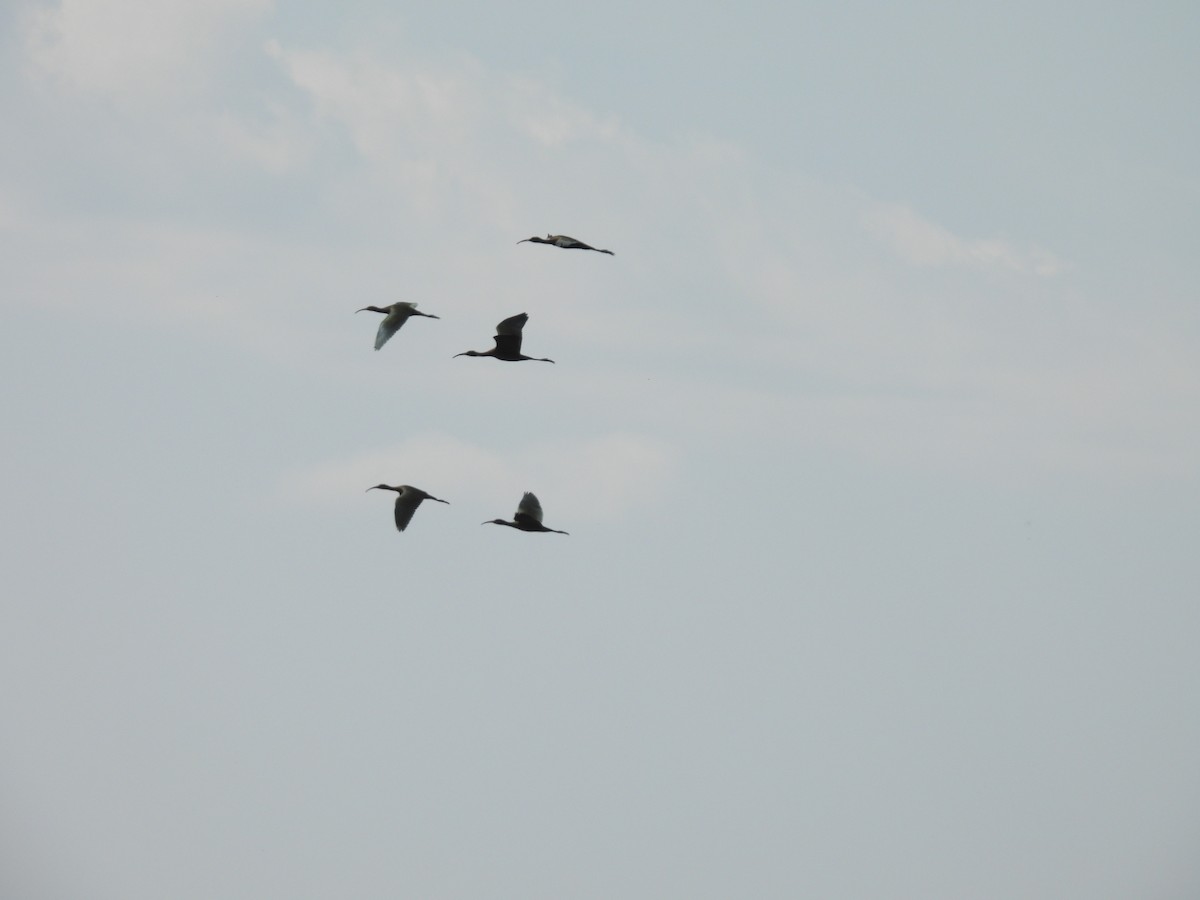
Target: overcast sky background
[877,441]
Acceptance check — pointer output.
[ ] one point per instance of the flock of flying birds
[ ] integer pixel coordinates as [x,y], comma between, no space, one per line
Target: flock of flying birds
[528,516]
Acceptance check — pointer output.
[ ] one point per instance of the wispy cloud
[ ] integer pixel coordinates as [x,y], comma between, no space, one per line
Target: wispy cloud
[390,112]
[924,243]
[127,49]
[748,288]
[549,119]
[277,143]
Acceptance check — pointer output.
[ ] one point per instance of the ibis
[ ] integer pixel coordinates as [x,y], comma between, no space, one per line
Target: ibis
[508,342]
[408,498]
[527,518]
[567,243]
[393,317]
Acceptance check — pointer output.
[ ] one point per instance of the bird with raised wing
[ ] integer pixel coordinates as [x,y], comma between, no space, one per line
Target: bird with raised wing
[408,498]
[567,243]
[527,518]
[393,317]
[508,342]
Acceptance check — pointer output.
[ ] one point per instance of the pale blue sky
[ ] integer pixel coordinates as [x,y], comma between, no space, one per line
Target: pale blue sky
[876,440]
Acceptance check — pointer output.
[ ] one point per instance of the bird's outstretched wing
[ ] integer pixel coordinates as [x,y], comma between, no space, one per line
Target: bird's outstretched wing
[407,502]
[513,324]
[390,325]
[529,508]
[508,335]
[397,315]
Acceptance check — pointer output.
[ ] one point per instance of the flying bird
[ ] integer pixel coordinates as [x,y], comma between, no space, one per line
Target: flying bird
[393,317]
[508,342]
[527,518]
[408,498]
[567,243]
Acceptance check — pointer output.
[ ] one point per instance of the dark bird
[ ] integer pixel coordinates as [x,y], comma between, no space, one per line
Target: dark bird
[408,498]
[567,243]
[508,342]
[394,316]
[527,518]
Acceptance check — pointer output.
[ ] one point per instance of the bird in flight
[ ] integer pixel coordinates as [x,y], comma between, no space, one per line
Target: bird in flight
[567,243]
[408,498]
[393,317]
[508,342]
[527,518]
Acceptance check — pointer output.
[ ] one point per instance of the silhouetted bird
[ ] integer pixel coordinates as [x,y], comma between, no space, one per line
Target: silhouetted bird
[567,243]
[527,518]
[508,342]
[408,498]
[394,316]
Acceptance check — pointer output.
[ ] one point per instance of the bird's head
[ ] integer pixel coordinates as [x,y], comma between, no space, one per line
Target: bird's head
[494,522]
[384,487]
[371,309]
[467,353]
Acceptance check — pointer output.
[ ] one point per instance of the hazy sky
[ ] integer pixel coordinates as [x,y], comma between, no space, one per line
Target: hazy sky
[876,440]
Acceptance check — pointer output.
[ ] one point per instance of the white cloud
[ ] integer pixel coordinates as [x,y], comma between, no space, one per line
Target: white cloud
[728,275]
[390,113]
[923,243]
[549,119]
[277,145]
[599,478]
[432,106]
[449,133]
[128,48]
